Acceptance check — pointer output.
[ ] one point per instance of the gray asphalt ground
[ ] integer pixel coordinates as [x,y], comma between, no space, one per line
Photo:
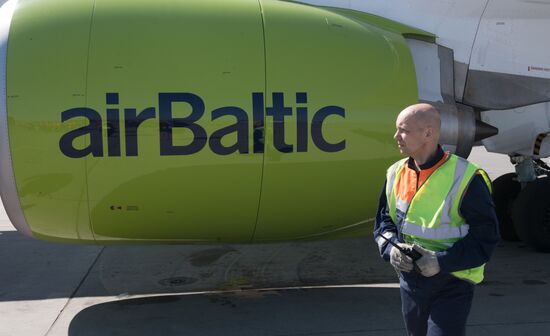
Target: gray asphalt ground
[53,289]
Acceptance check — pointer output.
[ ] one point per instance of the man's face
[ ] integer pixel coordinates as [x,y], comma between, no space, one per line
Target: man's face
[410,137]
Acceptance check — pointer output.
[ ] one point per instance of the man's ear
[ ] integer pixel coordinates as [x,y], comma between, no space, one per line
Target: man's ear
[429,132]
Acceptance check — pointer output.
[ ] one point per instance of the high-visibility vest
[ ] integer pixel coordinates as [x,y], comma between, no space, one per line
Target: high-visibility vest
[432,218]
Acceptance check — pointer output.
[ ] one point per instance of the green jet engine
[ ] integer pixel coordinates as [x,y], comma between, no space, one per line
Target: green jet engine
[169,121]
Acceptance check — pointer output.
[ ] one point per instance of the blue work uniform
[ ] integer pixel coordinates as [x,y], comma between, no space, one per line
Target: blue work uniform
[440,305]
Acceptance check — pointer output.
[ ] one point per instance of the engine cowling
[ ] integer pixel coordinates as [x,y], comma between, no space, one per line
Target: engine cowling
[196,121]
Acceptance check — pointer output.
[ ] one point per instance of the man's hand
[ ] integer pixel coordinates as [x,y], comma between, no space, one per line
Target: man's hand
[399,260]
[428,264]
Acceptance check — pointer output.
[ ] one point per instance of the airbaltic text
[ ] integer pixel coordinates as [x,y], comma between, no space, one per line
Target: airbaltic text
[168,122]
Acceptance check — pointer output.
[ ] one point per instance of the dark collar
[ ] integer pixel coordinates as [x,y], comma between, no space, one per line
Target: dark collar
[432,161]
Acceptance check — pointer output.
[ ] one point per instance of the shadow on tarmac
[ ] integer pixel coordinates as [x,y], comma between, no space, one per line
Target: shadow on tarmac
[318,311]
[97,281]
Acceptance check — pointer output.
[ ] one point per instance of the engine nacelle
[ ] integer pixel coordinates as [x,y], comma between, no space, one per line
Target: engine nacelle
[305,159]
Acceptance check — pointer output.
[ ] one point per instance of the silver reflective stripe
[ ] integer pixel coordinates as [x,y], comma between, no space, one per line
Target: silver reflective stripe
[390,182]
[460,169]
[401,205]
[444,231]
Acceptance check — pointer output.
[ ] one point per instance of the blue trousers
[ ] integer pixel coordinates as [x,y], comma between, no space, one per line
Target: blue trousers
[438,305]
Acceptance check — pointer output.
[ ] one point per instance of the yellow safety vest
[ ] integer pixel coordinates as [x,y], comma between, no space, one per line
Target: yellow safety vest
[432,218]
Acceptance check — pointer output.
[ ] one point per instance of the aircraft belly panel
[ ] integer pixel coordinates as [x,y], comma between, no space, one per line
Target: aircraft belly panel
[512,39]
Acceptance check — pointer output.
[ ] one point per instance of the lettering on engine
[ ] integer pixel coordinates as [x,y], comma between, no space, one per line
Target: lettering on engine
[167,123]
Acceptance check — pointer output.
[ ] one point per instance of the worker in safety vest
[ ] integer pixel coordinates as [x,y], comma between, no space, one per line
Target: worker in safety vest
[441,206]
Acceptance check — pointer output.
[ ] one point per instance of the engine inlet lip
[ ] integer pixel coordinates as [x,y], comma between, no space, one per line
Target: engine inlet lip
[8,189]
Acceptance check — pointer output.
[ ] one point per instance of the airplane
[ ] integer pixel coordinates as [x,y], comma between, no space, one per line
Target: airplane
[247,121]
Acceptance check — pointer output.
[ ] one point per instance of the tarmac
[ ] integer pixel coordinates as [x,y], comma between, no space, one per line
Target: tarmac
[314,288]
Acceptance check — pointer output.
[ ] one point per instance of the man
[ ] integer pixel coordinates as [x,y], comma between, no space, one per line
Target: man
[440,205]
